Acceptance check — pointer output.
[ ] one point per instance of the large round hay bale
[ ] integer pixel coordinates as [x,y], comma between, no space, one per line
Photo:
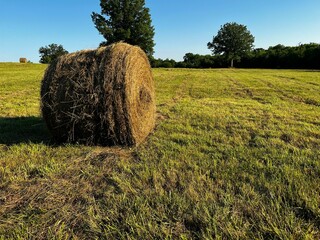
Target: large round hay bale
[100,97]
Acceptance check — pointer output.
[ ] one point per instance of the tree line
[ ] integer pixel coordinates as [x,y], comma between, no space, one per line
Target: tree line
[304,56]
[130,21]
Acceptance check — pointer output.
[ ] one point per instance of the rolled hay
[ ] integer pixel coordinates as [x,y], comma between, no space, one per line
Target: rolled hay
[23,60]
[100,97]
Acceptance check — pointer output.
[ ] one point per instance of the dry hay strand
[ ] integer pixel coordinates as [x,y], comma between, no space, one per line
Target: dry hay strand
[23,60]
[100,97]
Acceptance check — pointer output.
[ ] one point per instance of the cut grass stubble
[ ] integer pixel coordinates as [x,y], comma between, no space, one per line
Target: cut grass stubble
[235,154]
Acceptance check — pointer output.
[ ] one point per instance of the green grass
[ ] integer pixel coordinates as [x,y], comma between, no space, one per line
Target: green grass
[235,155]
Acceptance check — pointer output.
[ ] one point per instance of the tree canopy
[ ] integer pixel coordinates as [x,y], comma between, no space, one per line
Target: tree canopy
[51,52]
[233,41]
[303,56]
[125,20]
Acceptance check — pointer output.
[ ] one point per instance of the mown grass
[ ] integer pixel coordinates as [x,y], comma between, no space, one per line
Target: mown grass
[235,155]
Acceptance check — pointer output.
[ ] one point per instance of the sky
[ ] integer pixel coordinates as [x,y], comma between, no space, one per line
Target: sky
[181,26]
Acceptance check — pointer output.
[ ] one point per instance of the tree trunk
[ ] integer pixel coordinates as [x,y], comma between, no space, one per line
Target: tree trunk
[232,62]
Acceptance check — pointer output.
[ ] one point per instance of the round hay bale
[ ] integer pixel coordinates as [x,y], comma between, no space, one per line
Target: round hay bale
[100,97]
[23,60]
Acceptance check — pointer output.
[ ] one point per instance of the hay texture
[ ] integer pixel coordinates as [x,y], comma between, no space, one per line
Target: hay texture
[23,60]
[100,97]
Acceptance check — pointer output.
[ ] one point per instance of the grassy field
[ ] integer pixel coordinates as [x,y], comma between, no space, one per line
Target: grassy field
[235,155]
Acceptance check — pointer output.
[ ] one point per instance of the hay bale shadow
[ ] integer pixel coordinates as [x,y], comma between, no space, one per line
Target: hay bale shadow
[16,130]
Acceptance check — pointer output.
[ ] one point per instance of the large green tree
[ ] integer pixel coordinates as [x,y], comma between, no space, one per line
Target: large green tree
[51,52]
[125,20]
[233,41]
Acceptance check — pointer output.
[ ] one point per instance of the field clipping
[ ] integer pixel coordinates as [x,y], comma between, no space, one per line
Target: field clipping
[235,154]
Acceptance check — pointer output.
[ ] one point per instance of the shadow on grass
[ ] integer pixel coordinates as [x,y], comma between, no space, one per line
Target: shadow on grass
[23,130]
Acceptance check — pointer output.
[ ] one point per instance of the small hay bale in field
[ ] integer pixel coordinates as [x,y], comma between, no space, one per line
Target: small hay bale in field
[100,97]
[23,60]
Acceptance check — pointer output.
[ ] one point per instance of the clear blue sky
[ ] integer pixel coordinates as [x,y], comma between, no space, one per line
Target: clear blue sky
[181,26]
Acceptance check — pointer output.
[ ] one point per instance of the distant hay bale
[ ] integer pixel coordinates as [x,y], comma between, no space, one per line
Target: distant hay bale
[100,97]
[23,60]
